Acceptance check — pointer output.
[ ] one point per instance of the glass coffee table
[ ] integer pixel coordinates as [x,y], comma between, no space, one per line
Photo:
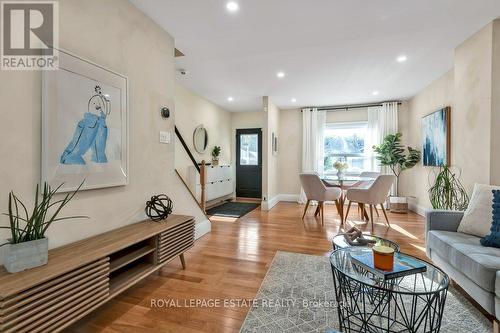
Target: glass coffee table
[339,242]
[367,303]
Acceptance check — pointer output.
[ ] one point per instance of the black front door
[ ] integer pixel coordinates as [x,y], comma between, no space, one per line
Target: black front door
[249,163]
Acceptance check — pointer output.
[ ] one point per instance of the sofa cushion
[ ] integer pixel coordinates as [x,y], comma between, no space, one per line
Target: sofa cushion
[477,217]
[493,239]
[467,255]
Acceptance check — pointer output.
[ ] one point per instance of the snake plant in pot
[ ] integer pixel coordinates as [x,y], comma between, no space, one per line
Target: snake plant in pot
[392,154]
[28,246]
[448,192]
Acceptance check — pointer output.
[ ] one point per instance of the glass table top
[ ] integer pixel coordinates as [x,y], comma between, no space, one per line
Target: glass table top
[431,281]
[348,178]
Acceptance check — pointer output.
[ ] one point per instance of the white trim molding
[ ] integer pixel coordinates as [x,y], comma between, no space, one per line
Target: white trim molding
[268,204]
[201,228]
[420,210]
[289,197]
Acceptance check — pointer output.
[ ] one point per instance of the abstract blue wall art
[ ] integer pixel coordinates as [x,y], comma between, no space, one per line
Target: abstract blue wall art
[436,138]
[85,125]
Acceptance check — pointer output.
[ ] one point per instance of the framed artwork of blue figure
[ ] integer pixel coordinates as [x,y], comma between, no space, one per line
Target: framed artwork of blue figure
[85,125]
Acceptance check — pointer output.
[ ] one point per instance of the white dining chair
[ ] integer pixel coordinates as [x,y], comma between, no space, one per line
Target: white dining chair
[365,183]
[316,190]
[375,194]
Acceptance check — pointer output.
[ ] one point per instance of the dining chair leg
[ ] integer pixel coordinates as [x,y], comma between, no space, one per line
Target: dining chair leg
[318,209]
[322,214]
[371,215]
[363,212]
[385,214]
[376,210]
[347,212]
[305,208]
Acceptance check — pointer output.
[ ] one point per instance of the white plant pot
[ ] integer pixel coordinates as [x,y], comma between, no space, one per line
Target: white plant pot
[22,256]
[398,204]
[340,174]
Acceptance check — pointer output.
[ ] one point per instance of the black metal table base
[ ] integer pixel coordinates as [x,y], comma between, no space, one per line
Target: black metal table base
[364,308]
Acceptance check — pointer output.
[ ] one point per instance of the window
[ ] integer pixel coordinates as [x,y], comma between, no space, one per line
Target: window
[346,142]
[249,149]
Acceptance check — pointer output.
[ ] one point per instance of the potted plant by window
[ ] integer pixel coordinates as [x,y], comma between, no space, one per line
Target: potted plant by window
[215,155]
[340,167]
[28,247]
[392,153]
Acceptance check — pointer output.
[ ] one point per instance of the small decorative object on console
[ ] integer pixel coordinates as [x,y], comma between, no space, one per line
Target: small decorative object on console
[159,207]
[215,155]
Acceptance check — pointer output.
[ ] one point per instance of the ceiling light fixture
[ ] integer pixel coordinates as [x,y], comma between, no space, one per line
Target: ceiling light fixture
[230,99]
[280,75]
[375,93]
[232,6]
[294,100]
[402,58]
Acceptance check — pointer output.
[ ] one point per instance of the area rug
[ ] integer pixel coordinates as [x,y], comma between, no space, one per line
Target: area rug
[297,295]
[232,209]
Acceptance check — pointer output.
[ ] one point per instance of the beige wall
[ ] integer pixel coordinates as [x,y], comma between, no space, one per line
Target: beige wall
[468,89]
[270,172]
[495,107]
[116,35]
[290,151]
[193,110]
[246,120]
[343,116]
[437,95]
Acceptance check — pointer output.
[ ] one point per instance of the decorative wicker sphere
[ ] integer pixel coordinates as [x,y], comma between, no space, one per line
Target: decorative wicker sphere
[159,207]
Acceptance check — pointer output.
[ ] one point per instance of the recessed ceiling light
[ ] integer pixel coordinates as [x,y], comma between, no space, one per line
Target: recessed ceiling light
[232,6]
[280,75]
[375,93]
[294,100]
[230,99]
[402,58]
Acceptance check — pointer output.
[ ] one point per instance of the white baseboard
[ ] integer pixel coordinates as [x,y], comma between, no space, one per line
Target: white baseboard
[420,210]
[201,228]
[289,197]
[268,204]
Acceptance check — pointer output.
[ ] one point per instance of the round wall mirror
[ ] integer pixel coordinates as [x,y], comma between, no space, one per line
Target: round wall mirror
[200,139]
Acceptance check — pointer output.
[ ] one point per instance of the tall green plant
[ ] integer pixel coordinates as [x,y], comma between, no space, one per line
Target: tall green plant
[447,191]
[25,227]
[392,153]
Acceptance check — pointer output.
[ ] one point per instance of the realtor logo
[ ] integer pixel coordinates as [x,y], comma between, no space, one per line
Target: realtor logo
[30,33]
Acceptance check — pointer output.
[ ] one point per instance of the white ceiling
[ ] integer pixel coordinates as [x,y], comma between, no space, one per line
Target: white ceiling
[332,51]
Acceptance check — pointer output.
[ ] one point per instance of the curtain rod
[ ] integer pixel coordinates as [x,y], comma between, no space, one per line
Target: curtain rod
[348,107]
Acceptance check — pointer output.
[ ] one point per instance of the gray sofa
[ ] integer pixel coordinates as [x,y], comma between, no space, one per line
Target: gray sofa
[472,266]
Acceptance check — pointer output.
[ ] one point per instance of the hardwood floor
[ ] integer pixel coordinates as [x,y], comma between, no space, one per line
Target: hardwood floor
[230,263]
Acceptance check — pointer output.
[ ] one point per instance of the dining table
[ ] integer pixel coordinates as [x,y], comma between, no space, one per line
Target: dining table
[344,183]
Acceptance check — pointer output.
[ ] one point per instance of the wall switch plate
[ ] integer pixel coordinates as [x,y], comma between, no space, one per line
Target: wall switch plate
[164,137]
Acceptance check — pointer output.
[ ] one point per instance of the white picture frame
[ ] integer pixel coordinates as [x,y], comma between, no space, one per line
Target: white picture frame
[76,99]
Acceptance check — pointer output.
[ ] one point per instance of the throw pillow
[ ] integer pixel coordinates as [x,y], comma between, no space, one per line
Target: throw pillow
[493,239]
[477,217]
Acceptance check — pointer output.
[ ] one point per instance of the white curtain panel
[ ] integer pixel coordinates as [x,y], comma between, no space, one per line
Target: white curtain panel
[313,146]
[382,121]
